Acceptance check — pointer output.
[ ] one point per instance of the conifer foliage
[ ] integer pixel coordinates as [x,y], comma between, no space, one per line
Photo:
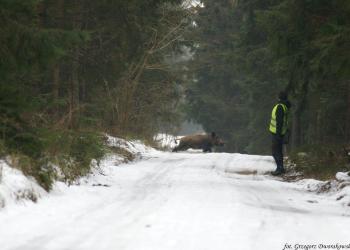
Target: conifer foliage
[70,70]
[245,52]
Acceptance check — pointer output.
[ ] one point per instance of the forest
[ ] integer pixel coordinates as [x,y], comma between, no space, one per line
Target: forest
[71,71]
[246,52]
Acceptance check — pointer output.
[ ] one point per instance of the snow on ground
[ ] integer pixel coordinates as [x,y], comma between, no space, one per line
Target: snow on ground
[167,141]
[15,187]
[135,146]
[343,176]
[181,201]
[343,196]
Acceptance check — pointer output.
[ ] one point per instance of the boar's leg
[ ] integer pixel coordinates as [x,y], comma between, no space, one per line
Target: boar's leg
[207,149]
[181,147]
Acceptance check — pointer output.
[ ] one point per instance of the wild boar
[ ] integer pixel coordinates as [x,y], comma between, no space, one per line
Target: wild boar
[201,141]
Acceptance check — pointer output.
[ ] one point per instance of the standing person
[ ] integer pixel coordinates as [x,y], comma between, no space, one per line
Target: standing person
[278,129]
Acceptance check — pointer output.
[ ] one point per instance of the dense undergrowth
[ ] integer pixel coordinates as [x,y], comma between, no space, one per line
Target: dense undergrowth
[320,162]
[63,155]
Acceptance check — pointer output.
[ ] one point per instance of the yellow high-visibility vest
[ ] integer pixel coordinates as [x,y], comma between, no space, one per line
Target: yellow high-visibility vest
[273,128]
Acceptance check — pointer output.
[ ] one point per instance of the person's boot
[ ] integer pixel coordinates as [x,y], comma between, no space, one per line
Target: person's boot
[278,171]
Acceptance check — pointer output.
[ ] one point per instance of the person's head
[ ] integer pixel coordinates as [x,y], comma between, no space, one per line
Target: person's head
[283,96]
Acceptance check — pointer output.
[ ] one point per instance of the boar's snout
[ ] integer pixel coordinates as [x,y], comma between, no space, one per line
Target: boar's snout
[216,140]
[220,143]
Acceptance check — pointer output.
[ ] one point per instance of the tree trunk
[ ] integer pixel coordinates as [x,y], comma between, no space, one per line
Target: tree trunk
[347,126]
[56,89]
[295,140]
[296,126]
[74,109]
[74,93]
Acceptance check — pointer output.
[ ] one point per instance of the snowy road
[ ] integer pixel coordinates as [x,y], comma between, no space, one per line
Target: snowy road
[178,201]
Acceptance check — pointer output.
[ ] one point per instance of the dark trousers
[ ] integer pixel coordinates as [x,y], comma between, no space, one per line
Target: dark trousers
[277,151]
